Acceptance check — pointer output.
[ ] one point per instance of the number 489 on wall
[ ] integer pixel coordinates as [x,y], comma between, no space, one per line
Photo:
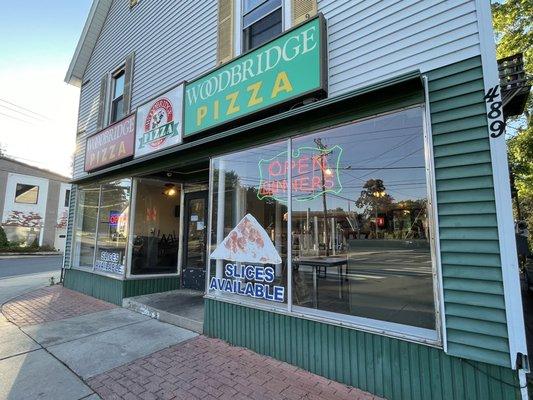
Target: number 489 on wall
[497,126]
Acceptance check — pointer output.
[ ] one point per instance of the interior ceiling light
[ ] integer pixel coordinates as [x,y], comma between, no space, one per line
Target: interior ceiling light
[170,189]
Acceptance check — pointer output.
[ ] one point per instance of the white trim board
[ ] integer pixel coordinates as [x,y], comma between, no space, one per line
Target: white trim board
[502,192]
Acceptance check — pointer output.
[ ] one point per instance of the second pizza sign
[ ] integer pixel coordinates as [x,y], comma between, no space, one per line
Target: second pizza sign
[159,122]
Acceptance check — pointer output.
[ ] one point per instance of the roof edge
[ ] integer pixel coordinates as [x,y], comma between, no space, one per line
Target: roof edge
[71,77]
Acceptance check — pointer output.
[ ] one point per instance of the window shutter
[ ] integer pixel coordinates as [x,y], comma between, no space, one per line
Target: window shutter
[302,10]
[225,31]
[128,81]
[102,102]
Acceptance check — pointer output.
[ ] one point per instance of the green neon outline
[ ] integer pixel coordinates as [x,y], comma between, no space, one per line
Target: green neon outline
[296,153]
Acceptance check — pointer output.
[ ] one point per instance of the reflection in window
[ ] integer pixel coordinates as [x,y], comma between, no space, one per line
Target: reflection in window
[113,227]
[156,230]
[85,228]
[26,194]
[360,225]
[260,225]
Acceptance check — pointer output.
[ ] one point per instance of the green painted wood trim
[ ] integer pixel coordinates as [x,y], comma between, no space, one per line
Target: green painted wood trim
[99,286]
[403,91]
[384,366]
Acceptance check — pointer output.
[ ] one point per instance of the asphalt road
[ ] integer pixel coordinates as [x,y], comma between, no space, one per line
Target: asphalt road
[24,265]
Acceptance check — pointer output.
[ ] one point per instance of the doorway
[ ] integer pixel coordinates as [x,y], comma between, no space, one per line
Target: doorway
[195,240]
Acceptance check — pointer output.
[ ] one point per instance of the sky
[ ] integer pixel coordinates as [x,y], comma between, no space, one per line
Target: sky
[38,110]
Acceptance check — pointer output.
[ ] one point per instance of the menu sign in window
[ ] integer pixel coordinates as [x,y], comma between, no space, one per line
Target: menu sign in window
[287,68]
[113,144]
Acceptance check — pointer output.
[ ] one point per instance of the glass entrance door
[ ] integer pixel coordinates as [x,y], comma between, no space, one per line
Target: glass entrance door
[195,235]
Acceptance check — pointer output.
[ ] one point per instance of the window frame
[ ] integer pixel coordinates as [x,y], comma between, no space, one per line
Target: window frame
[113,76]
[131,230]
[426,336]
[238,26]
[24,202]
[66,201]
[74,225]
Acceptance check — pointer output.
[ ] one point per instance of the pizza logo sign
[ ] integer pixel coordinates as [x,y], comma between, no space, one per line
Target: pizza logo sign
[159,124]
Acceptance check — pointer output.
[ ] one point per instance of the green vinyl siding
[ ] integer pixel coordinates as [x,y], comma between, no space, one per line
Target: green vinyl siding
[470,254]
[99,286]
[137,287]
[387,367]
[115,290]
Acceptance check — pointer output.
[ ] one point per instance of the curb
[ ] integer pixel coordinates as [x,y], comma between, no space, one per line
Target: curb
[163,316]
[32,254]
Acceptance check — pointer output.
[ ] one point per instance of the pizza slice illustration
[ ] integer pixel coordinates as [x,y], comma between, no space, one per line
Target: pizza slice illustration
[247,242]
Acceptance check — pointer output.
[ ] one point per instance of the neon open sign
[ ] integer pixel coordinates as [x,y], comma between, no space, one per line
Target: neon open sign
[314,171]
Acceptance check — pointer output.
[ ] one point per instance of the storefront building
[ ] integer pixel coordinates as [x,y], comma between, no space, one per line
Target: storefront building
[332,178]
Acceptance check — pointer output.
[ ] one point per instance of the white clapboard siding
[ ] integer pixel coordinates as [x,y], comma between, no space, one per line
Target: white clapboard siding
[172,41]
[368,41]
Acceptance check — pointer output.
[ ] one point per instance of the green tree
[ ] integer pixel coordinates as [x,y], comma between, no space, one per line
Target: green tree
[512,20]
[3,238]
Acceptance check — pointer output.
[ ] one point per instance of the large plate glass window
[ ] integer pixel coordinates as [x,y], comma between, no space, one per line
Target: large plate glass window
[249,225]
[262,20]
[86,218]
[156,227]
[360,224]
[113,219]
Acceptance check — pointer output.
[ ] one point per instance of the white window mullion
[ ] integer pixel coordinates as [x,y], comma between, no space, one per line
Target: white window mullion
[287,14]
[237,33]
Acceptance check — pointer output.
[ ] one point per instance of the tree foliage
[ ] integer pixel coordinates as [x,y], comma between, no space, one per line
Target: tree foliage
[512,20]
[374,197]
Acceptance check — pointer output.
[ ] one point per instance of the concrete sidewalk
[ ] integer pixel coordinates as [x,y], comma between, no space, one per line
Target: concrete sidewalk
[52,340]
[59,344]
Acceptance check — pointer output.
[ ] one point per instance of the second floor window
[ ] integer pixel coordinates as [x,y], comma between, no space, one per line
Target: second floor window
[262,21]
[117,95]
[26,194]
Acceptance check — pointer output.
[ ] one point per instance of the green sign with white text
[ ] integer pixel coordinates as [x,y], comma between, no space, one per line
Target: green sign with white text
[287,68]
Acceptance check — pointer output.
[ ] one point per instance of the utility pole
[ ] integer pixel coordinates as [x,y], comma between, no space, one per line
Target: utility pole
[322,148]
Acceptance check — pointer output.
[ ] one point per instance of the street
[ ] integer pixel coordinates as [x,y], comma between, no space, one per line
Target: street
[23,265]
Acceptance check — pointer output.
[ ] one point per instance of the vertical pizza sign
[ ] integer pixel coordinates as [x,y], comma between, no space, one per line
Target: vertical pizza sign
[159,122]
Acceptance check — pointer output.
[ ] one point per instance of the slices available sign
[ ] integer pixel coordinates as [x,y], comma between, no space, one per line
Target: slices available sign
[159,122]
[247,242]
[246,246]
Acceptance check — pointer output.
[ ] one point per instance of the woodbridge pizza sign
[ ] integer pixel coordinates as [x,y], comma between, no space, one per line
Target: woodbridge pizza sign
[110,145]
[288,68]
[159,122]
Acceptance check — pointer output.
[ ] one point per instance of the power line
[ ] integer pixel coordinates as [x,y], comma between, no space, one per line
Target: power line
[18,119]
[25,109]
[23,113]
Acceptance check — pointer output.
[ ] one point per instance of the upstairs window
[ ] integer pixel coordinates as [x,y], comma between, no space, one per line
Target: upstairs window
[26,194]
[117,95]
[67,197]
[262,20]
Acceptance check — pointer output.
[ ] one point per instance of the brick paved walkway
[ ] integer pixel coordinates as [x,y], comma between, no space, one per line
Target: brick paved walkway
[51,304]
[210,369]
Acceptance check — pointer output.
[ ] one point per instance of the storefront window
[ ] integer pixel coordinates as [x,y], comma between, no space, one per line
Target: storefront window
[249,226]
[360,233]
[360,221]
[85,229]
[156,227]
[113,227]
